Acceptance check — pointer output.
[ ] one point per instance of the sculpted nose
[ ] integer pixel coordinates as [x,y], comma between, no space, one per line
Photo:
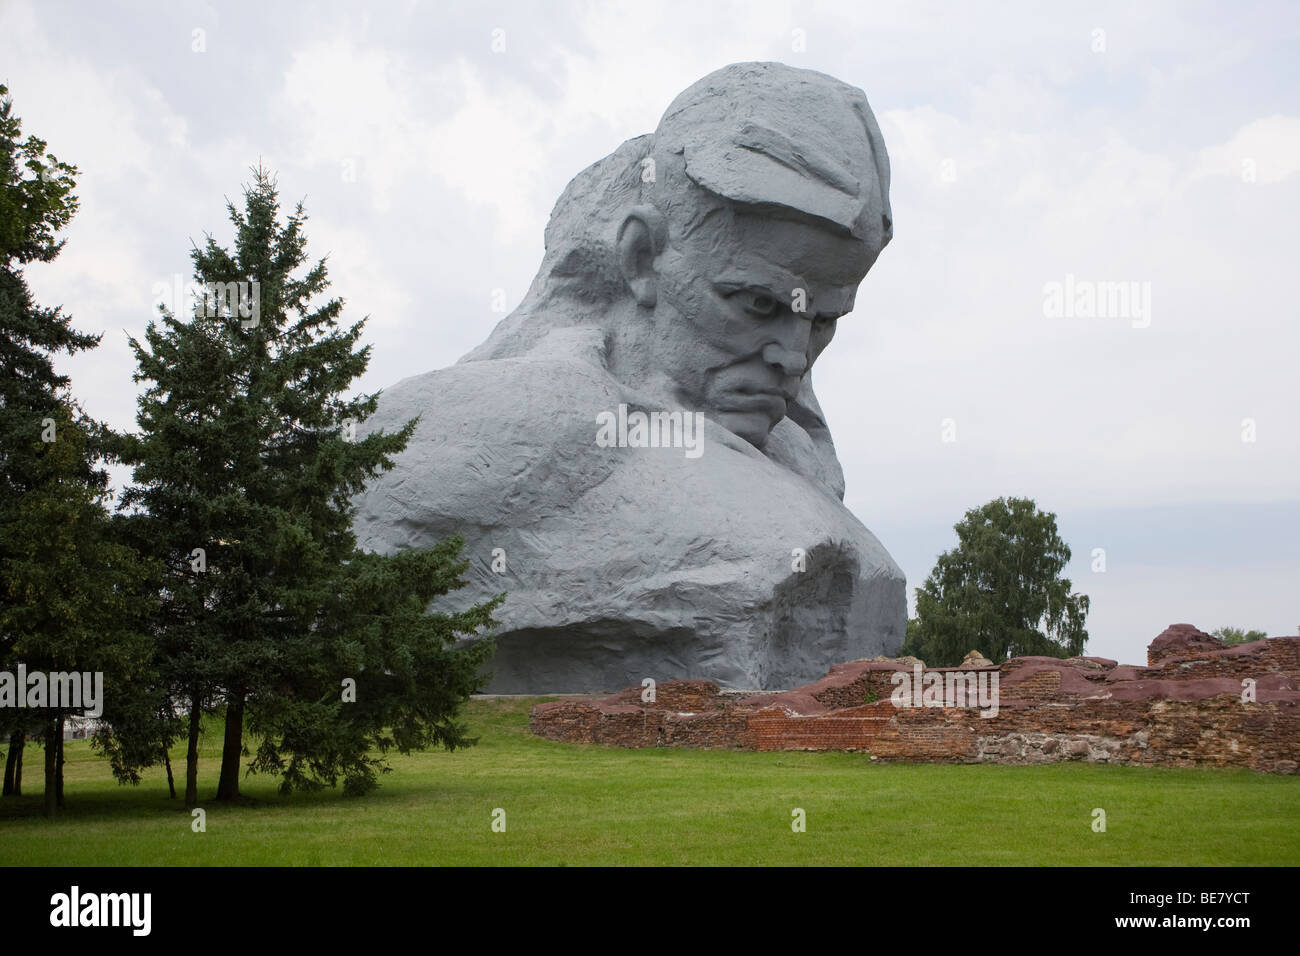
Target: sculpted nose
[785,360]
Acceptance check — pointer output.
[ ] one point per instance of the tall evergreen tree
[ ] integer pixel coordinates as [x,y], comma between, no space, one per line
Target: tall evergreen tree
[246,465]
[70,596]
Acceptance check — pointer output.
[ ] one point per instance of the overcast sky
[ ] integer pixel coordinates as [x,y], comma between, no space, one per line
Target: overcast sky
[1029,143]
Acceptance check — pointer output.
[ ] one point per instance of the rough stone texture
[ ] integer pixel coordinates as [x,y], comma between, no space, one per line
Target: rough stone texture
[1180,640]
[669,284]
[1184,710]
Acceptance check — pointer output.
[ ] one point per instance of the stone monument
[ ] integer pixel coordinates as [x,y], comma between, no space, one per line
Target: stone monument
[636,455]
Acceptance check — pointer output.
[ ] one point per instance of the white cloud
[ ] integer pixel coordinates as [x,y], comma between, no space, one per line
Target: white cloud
[1266,150]
[1074,412]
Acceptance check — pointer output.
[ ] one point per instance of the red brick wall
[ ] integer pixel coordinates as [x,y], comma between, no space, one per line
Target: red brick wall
[1184,709]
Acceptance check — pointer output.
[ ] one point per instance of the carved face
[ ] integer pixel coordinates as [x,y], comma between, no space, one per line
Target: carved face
[745,306]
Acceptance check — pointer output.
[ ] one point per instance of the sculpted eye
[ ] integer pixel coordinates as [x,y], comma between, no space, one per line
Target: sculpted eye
[761,304]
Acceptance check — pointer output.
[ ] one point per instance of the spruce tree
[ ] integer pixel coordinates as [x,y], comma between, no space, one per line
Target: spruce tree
[71,594]
[246,465]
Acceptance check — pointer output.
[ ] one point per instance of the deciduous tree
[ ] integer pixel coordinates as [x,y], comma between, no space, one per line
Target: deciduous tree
[1000,591]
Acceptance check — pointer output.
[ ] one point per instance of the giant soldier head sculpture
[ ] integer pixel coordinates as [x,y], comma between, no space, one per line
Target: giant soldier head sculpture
[718,252]
[698,269]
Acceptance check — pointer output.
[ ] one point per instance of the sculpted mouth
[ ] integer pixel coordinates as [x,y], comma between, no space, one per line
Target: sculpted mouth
[771,400]
[773,392]
[753,392]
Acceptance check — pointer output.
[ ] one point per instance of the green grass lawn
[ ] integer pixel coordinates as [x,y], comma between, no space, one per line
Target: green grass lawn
[570,804]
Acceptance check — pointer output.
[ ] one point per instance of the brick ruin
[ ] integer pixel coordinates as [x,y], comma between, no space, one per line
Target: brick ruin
[1187,707]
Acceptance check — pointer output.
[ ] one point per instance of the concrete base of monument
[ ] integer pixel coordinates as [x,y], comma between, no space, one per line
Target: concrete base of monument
[750,621]
[788,647]
[1197,702]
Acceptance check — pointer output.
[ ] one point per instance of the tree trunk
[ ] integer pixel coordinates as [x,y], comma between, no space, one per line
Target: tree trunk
[10,757]
[51,768]
[232,749]
[58,768]
[171,781]
[13,786]
[192,753]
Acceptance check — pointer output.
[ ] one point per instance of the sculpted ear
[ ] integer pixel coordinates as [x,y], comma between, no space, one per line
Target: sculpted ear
[641,238]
